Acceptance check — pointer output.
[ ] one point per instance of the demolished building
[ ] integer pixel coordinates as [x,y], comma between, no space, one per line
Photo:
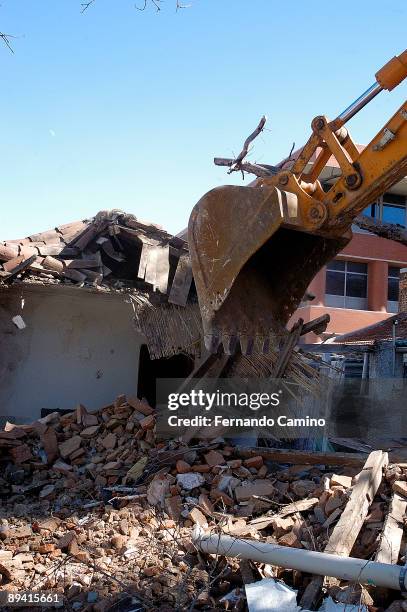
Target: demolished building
[91,309]
[105,306]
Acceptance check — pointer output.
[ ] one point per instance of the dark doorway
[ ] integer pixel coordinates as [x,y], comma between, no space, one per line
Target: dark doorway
[177,366]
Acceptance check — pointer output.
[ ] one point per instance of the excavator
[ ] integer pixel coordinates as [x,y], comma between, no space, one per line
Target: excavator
[255,249]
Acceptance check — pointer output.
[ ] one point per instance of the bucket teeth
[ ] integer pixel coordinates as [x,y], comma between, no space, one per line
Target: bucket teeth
[249,344]
[246,344]
[212,342]
[229,344]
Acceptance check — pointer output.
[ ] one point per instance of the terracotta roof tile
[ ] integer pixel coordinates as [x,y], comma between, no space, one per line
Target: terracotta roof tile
[377,332]
[104,251]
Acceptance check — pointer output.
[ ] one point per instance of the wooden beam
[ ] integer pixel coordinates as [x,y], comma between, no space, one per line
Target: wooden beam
[317,325]
[283,455]
[336,348]
[347,529]
[389,548]
[18,264]
[287,349]
[182,281]
[356,510]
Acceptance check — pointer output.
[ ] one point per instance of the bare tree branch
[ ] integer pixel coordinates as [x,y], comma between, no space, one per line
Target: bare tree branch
[6,39]
[156,3]
[261,170]
[238,165]
[250,139]
[391,231]
[86,5]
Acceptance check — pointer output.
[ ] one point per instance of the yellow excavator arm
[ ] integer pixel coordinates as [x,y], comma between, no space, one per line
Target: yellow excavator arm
[255,249]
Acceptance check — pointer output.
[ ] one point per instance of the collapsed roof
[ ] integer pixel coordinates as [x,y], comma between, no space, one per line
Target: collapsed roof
[111,251]
[116,252]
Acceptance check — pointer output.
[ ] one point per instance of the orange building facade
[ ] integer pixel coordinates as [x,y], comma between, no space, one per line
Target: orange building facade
[360,287]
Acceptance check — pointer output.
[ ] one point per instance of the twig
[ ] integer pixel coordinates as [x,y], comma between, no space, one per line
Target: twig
[250,139]
[86,5]
[261,170]
[287,159]
[143,8]
[6,39]
[157,4]
[238,165]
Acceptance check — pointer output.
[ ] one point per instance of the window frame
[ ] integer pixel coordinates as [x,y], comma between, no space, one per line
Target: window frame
[392,305]
[377,207]
[346,301]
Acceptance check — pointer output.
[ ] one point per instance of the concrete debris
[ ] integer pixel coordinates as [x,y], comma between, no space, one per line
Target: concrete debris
[89,504]
[19,322]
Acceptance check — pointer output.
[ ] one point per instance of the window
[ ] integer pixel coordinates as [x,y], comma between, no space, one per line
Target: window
[346,284]
[390,208]
[393,289]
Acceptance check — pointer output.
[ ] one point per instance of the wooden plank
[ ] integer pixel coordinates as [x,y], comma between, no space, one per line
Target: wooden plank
[283,455]
[287,349]
[302,505]
[84,262]
[18,264]
[356,510]
[75,275]
[389,548]
[317,325]
[182,281]
[146,268]
[82,239]
[336,348]
[162,270]
[347,529]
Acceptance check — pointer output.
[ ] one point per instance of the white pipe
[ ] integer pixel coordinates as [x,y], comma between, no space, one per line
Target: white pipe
[322,564]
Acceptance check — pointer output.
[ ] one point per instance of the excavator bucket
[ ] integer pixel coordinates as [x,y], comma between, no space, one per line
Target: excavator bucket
[251,268]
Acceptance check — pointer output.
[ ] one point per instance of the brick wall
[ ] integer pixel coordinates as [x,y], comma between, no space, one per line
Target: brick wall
[403,290]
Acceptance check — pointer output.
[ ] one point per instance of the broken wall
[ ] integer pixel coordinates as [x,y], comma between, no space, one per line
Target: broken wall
[77,346]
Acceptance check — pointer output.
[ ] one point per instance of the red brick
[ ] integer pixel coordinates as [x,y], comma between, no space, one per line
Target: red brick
[253,462]
[214,458]
[182,467]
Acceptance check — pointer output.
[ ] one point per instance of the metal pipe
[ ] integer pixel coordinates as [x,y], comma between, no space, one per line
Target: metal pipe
[360,102]
[395,323]
[322,564]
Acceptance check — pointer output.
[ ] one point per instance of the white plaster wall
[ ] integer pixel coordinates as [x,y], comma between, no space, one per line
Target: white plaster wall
[77,347]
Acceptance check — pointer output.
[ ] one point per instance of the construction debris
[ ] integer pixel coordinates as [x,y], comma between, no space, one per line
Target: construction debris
[94,506]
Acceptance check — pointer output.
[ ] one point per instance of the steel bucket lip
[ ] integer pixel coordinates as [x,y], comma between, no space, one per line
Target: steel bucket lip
[258,269]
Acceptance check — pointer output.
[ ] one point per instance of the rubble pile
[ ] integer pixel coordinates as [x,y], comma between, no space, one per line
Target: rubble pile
[94,507]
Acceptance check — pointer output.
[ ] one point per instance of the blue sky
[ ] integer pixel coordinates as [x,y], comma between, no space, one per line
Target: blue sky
[117,108]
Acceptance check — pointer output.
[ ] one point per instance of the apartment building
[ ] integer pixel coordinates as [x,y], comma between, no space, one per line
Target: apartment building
[360,286]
